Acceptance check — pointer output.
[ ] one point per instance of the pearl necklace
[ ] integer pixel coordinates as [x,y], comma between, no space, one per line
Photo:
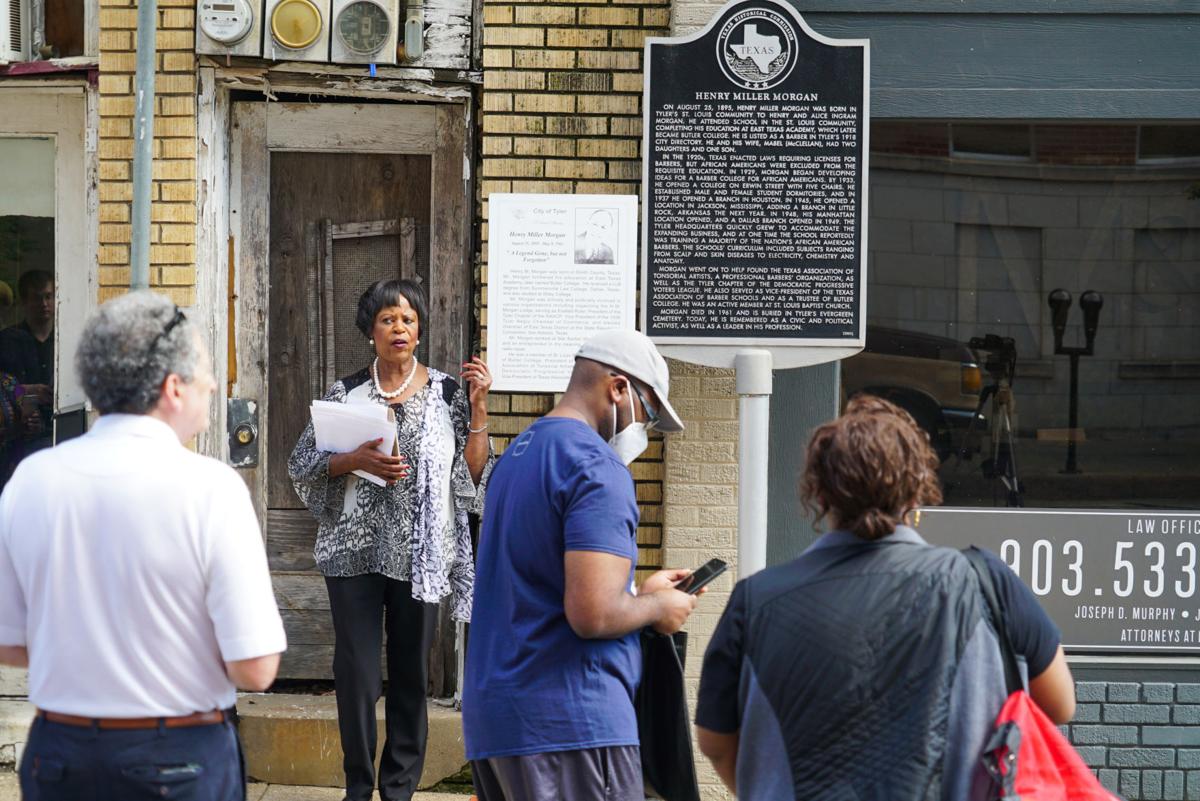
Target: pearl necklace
[399,390]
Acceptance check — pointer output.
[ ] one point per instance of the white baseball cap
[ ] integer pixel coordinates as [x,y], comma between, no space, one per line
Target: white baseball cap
[631,352]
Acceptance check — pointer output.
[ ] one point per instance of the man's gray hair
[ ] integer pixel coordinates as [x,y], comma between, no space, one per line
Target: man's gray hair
[126,352]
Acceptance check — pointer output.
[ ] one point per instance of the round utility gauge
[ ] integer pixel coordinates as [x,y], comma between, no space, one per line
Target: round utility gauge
[363,27]
[225,21]
[296,23]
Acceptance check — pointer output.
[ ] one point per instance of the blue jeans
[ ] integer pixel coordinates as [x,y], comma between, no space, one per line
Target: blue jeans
[75,763]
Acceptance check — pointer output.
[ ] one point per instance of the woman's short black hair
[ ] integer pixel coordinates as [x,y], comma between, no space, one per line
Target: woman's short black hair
[382,294]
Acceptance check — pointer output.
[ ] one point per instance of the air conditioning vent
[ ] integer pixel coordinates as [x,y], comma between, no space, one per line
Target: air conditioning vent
[14,30]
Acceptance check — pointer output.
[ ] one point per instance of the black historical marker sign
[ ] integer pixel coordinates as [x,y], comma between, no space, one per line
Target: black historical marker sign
[1123,582]
[755,183]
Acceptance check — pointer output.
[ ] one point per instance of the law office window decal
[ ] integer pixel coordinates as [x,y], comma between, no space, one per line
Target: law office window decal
[964,255]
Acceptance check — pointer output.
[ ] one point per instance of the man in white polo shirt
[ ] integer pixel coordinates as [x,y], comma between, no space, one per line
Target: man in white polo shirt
[133,579]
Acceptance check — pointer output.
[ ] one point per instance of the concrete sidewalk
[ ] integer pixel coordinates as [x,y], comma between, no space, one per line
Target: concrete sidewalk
[258,792]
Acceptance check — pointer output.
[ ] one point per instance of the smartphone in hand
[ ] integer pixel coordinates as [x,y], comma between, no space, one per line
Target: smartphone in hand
[702,576]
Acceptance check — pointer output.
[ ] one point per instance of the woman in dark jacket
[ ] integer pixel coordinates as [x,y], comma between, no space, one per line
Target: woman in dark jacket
[868,667]
[391,551]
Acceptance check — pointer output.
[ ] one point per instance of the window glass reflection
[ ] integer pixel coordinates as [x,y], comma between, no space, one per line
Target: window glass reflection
[27,304]
[964,253]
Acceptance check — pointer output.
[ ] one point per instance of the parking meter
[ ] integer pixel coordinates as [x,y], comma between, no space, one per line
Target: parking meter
[1060,307]
[1091,302]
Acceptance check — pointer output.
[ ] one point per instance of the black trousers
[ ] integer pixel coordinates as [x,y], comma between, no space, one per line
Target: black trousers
[363,607]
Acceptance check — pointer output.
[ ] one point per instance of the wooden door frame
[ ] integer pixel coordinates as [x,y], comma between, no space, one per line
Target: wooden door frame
[68,112]
[258,129]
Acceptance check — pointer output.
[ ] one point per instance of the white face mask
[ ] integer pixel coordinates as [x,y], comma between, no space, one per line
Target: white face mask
[630,441]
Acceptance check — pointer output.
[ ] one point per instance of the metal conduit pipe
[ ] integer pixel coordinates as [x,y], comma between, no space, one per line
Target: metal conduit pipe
[143,143]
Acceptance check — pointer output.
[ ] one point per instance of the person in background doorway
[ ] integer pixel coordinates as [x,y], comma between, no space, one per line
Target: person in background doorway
[391,552]
[868,667]
[133,579]
[12,427]
[554,657]
[27,354]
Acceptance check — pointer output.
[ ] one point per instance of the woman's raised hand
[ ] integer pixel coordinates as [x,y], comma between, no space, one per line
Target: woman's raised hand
[390,468]
[479,382]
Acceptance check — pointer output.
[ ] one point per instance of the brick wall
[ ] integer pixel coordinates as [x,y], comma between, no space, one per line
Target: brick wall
[561,114]
[173,212]
[1086,144]
[1140,738]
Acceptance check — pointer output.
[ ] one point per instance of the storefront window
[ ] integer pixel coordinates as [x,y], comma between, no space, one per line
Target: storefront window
[1167,143]
[27,300]
[965,251]
[1011,142]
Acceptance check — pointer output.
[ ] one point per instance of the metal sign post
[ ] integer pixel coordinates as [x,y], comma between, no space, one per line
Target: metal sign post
[753,368]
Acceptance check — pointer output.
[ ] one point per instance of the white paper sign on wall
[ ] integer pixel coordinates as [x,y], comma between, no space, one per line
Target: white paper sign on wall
[560,269]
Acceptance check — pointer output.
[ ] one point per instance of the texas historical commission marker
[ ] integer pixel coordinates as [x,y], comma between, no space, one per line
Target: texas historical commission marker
[755,188]
[754,212]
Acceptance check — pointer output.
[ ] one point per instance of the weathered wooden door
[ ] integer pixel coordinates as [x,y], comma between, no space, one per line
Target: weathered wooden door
[324,213]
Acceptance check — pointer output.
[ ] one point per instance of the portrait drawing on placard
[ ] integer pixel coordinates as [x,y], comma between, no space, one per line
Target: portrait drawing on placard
[595,236]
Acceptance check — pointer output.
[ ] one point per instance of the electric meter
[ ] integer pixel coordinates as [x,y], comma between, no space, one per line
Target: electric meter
[365,31]
[228,27]
[226,21]
[363,27]
[299,30]
[296,24]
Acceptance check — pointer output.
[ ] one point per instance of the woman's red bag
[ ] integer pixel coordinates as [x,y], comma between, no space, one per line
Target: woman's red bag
[1027,755]
[1046,768]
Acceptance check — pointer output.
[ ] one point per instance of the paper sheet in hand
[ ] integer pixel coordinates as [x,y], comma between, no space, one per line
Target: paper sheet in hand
[342,427]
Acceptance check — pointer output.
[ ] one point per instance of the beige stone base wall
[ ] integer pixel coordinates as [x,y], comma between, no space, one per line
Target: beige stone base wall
[700,509]
[14,682]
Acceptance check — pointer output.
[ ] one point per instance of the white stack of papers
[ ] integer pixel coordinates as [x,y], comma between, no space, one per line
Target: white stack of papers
[343,427]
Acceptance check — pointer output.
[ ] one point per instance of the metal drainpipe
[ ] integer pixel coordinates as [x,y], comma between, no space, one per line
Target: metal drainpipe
[143,143]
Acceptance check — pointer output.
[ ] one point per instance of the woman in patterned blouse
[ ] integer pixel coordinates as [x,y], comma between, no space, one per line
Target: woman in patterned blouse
[390,553]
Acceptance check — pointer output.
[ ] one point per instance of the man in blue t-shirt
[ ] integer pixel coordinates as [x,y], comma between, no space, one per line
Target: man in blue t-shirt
[553,659]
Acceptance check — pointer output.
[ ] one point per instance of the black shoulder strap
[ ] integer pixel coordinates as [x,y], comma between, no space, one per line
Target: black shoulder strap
[449,387]
[1012,673]
[355,379]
